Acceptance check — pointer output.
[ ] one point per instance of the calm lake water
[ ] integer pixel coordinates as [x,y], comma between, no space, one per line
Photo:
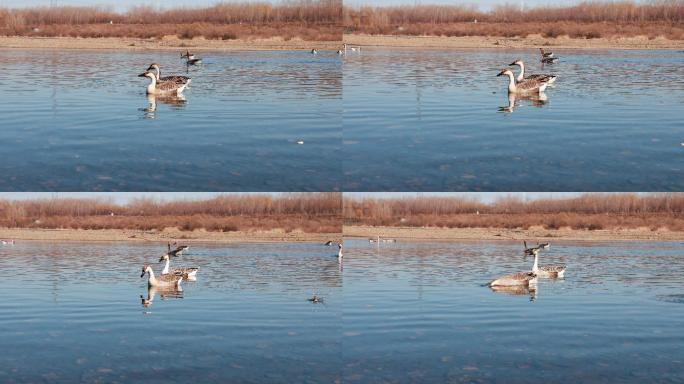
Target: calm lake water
[418,313]
[72,312]
[431,120]
[80,120]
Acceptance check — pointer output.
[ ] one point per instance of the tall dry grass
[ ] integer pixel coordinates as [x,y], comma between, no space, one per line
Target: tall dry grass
[309,212]
[307,19]
[590,211]
[588,19]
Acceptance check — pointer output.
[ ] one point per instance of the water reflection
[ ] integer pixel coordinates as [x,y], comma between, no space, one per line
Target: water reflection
[246,319]
[242,107]
[165,293]
[531,291]
[427,122]
[418,313]
[176,102]
[537,100]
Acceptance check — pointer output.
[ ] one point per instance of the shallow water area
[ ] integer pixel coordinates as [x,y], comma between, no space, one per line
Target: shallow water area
[420,312]
[441,120]
[73,312]
[80,121]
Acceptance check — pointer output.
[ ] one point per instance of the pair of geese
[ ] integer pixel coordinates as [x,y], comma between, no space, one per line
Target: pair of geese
[169,278]
[536,83]
[528,279]
[168,85]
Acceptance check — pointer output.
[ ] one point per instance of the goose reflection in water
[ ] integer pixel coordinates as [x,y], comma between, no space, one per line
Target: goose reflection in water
[530,291]
[538,100]
[164,293]
[176,102]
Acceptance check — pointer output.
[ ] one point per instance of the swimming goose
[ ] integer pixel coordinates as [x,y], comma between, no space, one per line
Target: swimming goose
[314,51]
[168,280]
[525,86]
[552,271]
[162,87]
[530,251]
[524,279]
[339,52]
[190,58]
[544,53]
[7,242]
[174,78]
[549,60]
[521,77]
[339,253]
[315,299]
[328,243]
[179,249]
[186,273]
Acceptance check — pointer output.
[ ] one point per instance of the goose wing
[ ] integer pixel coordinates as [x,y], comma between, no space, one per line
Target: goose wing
[168,278]
[176,79]
[553,268]
[168,86]
[542,77]
[186,270]
[529,84]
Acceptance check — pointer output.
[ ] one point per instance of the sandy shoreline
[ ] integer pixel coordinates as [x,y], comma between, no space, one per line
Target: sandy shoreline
[276,43]
[532,41]
[167,43]
[469,234]
[109,235]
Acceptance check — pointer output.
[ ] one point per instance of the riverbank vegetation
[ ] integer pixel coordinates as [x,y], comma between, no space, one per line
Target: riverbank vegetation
[316,20]
[307,212]
[587,19]
[591,211]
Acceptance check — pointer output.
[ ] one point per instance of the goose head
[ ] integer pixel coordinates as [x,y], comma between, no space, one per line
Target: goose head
[145,269]
[505,72]
[148,74]
[153,66]
[517,62]
[164,257]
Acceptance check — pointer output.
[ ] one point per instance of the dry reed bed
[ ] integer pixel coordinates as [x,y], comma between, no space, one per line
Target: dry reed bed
[591,211]
[308,212]
[589,19]
[305,19]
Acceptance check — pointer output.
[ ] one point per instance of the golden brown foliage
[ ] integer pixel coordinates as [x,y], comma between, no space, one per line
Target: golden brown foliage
[309,212]
[589,211]
[588,19]
[307,19]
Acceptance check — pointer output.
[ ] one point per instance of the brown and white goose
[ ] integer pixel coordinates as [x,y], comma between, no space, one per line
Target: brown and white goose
[527,86]
[168,280]
[190,58]
[162,87]
[175,78]
[519,279]
[544,53]
[188,273]
[552,271]
[541,77]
